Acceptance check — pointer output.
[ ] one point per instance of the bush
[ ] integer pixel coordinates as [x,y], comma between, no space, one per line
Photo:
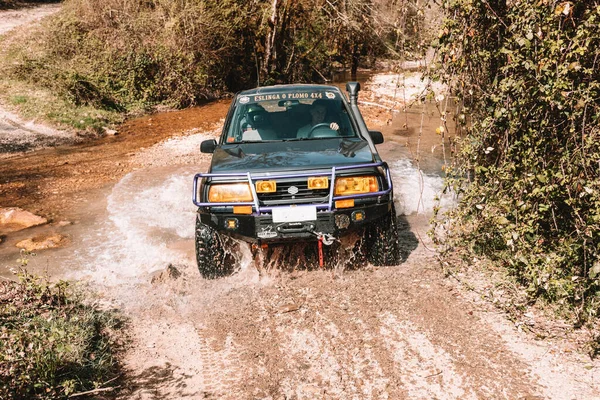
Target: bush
[528,170]
[52,343]
[120,56]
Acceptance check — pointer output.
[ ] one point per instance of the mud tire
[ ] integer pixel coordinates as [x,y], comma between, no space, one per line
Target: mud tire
[210,252]
[381,241]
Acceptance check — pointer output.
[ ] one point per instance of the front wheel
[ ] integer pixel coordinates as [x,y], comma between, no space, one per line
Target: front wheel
[381,240]
[211,256]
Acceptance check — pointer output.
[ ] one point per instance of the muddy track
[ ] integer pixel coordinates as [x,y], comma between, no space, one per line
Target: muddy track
[377,333]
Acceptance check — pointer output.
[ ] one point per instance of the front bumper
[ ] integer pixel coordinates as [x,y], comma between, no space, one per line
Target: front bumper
[262,229]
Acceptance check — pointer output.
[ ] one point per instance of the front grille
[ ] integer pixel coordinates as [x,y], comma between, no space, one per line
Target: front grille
[282,195]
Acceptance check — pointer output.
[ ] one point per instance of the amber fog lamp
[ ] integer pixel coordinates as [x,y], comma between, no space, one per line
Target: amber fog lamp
[356,185]
[242,209]
[358,216]
[229,193]
[266,187]
[344,203]
[231,223]
[320,182]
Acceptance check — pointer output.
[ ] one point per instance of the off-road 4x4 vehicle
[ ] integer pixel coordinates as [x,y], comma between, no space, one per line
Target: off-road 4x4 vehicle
[294,163]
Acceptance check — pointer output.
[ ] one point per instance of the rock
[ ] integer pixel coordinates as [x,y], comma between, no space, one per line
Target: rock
[289,308]
[64,223]
[42,242]
[110,132]
[168,274]
[14,219]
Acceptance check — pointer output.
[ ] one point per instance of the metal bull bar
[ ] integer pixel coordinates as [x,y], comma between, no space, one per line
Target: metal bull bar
[251,179]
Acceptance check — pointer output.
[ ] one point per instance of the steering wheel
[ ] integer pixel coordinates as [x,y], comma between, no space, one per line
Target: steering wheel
[318,126]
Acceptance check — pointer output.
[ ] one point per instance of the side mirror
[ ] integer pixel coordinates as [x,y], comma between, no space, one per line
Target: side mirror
[376,137]
[208,146]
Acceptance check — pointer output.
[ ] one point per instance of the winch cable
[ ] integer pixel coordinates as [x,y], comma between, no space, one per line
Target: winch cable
[320,245]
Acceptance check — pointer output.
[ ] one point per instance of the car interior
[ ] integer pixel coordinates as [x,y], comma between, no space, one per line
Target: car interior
[283,120]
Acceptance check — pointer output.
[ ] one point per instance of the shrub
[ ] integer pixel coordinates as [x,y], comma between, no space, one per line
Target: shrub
[122,56]
[52,343]
[528,170]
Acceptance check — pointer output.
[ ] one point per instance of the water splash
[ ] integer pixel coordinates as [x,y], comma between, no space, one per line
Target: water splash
[149,214]
[404,86]
[150,224]
[415,191]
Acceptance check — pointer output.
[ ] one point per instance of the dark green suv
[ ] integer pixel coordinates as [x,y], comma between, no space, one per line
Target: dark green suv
[294,163]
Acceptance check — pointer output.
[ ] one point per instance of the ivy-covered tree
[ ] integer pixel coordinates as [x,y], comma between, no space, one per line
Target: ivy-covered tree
[528,172]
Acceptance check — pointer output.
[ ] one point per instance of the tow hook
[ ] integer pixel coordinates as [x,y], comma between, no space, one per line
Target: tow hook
[326,238]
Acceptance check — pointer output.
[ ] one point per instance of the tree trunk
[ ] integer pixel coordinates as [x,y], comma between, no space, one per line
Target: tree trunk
[270,53]
[355,61]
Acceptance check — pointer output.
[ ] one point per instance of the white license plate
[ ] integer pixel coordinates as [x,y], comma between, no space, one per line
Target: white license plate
[294,214]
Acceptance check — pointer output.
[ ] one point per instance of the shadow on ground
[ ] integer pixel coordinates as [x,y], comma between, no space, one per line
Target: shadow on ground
[153,381]
[408,241]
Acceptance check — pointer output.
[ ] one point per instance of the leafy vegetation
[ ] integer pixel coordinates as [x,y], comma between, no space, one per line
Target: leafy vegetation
[52,343]
[527,75]
[117,57]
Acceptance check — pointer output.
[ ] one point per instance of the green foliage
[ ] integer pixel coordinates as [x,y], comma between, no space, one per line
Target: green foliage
[18,99]
[527,174]
[52,344]
[120,57]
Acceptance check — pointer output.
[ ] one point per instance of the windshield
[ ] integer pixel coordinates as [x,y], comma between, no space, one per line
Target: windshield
[289,116]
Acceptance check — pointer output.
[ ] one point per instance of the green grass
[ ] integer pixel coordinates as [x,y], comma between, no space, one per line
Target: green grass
[18,99]
[38,85]
[42,105]
[53,343]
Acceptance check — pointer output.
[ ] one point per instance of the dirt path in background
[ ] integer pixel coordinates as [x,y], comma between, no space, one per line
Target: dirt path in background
[405,332]
[17,134]
[11,19]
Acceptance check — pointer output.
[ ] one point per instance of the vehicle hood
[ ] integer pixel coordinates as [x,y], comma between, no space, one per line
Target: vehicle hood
[290,155]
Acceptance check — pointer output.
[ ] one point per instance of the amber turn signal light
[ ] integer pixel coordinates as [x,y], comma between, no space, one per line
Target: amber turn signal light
[242,209]
[319,182]
[344,203]
[266,186]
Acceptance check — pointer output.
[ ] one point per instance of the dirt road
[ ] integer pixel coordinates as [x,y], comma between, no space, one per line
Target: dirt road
[385,333]
[405,332]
